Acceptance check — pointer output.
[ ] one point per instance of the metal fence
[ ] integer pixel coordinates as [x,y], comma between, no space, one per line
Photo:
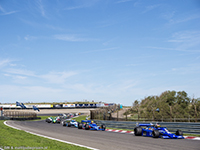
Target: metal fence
[186,127]
[109,114]
[16,115]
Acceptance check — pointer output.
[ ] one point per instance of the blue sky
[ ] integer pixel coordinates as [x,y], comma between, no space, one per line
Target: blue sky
[102,50]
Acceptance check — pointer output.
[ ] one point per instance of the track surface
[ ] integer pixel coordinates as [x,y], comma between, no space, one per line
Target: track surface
[103,140]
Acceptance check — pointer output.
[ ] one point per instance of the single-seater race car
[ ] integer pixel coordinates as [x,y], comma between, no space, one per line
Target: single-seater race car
[49,119]
[90,125]
[70,123]
[156,131]
[53,119]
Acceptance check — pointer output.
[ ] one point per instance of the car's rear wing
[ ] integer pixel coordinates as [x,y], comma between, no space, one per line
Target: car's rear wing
[68,120]
[86,121]
[144,124]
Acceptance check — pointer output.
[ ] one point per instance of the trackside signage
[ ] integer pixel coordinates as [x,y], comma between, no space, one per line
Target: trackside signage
[68,105]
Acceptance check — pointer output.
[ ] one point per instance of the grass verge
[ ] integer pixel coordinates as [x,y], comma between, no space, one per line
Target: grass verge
[12,138]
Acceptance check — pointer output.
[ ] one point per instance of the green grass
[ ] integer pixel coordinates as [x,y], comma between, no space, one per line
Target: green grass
[42,118]
[197,135]
[16,138]
[78,119]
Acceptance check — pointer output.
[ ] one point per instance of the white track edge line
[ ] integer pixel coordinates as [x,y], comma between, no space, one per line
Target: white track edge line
[53,138]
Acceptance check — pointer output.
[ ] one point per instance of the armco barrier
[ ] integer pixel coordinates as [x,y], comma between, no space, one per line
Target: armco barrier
[186,127]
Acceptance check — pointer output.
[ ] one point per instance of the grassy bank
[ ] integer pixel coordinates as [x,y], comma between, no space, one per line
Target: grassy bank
[12,138]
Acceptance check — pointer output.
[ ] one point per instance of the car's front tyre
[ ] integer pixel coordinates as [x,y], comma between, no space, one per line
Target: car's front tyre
[63,123]
[155,133]
[179,133]
[87,127]
[69,124]
[103,126]
[138,131]
[80,125]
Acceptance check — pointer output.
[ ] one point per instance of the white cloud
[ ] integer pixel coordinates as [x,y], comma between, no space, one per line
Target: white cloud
[172,49]
[9,13]
[123,1]
[4,62]
[57,77]
[184,19]
[151,7]
[29,38]
[1,9]
[29,93]
[82,4]
[41,8]
[52,77]
[71,38]
[20,72]
[186,40]
[100,50]
[5,12]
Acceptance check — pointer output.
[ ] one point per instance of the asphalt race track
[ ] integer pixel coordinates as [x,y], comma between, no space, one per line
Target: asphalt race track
[104,140]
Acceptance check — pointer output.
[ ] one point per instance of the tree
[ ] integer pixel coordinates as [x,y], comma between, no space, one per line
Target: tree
[136,107]
[195,104]
[169,98]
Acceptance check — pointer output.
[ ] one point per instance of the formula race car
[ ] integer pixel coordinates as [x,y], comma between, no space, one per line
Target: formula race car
[49,119]
[53,120]
[90,125]
[70,123]
[156,131]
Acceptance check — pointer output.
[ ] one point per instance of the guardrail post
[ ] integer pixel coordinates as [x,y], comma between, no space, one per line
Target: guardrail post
[117,115]
[99,115]
[1,111]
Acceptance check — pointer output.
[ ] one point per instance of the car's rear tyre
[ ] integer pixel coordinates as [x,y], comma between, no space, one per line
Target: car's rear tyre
[103,126]
[155,133]
[138,131]
[63,123]
[80,126]
[87,127]
[69,124]
[179,132]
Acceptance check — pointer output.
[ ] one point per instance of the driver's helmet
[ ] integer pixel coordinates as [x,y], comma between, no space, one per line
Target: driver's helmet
[157,125]
[92,122]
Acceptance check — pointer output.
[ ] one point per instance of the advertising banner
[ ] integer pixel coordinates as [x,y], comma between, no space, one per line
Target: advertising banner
[85,105]
[100,105]
[9,106]
[92,105]
[68,105]
[78,105]
[43,106]
[57,106]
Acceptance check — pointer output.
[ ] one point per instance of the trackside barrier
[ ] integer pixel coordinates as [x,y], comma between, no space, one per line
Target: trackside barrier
[186,127]
[16,115]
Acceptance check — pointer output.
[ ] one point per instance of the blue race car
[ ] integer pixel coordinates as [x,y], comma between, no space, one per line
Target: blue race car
[156,131]
[90,125]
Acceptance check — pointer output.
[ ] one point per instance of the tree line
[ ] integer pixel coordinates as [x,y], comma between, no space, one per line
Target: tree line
[169,105]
